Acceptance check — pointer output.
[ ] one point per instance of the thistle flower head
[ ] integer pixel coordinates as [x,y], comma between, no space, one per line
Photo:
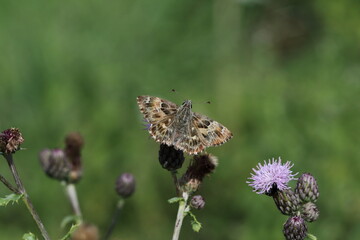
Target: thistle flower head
[201,166]
[266,175]
[170,158]
[10,140]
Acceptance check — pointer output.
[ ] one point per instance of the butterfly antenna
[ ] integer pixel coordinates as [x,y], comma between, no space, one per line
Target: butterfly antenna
[177,93]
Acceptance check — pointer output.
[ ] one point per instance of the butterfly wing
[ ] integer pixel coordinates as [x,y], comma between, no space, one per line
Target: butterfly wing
[160,114]
[210,132]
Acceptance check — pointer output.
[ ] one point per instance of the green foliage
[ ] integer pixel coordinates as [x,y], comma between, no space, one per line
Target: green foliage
[175,199]
[310,236]
[10,198]
[72,229]
[70,219]
[29,236]
[195,224]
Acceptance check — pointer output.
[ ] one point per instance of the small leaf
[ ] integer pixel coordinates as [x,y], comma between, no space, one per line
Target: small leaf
[312,237]
[10,198]
[70,219]
[29,236]
[196,225]
[175,199]
[72,229]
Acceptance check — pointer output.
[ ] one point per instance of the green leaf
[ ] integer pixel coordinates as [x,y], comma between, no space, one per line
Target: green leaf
[29,236]
[175,199]
[312,237]
[70,219]
[72,229]
[10,198]
[195,224]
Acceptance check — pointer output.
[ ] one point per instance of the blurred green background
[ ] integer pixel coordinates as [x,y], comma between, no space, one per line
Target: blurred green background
[283,76]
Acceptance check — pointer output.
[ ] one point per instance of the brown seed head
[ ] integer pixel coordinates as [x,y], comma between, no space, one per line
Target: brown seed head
[10,140]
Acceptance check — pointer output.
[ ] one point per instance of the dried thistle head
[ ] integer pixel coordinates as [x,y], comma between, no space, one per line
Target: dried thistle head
[10,140]
[64,165]
[200,166]
[170,158]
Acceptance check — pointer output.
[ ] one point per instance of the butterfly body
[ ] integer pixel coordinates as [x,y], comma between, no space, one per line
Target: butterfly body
[178,126]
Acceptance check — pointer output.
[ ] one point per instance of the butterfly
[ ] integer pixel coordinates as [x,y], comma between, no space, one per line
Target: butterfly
[178,126]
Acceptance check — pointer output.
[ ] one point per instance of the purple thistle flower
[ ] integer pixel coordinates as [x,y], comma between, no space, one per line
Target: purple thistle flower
[266,175]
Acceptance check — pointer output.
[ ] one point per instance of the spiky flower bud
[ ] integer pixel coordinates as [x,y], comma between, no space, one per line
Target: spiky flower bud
[197,202]
[307,188]
[309,212]
[10,140]
[55,164]
[287,201]
[170,158]
[125,185]
[295,228]
[86,232]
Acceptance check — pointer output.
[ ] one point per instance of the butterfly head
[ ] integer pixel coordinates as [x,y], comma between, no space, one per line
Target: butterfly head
[186,104]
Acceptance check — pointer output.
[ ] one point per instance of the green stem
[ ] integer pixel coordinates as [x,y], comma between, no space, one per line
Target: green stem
[9,185]
[26,197]
[180,216]
[72,196]
[312,237]
[115,219]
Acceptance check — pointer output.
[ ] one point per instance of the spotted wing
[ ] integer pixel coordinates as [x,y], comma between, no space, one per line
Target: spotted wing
[160,114]
[207,132]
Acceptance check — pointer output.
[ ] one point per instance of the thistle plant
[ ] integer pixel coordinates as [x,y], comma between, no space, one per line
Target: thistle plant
[187,185]
[124,187]
[272,179]
[10,141]
[65,165]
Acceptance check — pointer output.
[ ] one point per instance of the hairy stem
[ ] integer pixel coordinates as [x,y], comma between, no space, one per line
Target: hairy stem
[26,197]
[70,190]
[115,218]
[176,182]
[9,185]
[180,216]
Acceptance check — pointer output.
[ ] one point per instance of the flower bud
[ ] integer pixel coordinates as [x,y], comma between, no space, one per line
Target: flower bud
[10,140]
[55,164]
[170,158]
[307,188]
[295,228]
[197,202]
[125,185]
[287,201]
[86,232]
[309,212]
